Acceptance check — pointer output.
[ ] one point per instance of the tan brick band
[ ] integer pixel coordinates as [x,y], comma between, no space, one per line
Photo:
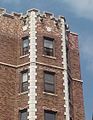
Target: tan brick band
[14,66]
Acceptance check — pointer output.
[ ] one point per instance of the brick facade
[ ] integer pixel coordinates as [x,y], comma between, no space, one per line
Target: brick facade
[12,63]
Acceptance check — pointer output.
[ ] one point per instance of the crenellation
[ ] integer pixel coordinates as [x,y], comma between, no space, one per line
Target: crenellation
[66,26]
[62,17]
[2,10]
[8,15]
[48,14]
[58,25]
[33,9]
[17,14]
[55,19]
[40,17]
[73,33]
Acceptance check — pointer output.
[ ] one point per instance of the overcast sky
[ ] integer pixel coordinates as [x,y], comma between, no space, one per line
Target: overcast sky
[79,15]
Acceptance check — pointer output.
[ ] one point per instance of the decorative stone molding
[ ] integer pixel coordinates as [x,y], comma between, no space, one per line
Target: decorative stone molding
[48,29]
[77,80]
[32,81]
[65,78]
[2,11]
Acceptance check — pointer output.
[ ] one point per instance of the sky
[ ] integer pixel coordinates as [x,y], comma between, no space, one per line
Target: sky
[79,16]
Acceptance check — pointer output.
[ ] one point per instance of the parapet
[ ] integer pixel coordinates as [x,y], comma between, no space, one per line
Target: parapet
[42,15]
[3,12]
[16,14]
[33,9]
[73,33]
[48,14]
[8,15]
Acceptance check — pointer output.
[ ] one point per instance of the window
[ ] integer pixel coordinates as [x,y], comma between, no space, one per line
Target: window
[23,114]
[48,46]
[49,85]
[49,115]
[24,85]
[25,45]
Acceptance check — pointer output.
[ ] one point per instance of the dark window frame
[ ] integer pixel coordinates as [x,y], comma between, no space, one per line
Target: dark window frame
[22,111]
[46,50]
[25,50]
[50,112]
[26,82]
[49,83]
[71,118]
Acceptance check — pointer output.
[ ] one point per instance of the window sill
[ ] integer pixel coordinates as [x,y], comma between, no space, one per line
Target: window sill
[51,57]
[23,93]
[24,56]
[46,93]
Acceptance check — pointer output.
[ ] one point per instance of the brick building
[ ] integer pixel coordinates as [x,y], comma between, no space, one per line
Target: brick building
[39,68]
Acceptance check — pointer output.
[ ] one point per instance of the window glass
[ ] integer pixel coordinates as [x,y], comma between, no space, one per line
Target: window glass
[23,114]
[49,78]
[25,43]
[50,115]
[49,85]
[24,83]
[48,43]
[25,46]
[24,77]
[48,46]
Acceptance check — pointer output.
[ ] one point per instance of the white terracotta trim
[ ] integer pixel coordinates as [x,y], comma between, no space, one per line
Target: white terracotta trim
[22,108]
[51,57]
[23,93]
[9,65]
[32,81]
[51,94]
[74,33]
[27,63]
[21,65]
[77,80]
[24,56]
[65,78]
[14,66]
[51,109]
[48,65]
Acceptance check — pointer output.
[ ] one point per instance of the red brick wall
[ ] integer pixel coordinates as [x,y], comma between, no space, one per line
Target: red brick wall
[45,101]
[54,33]
[7,92]
[8,40]
[77,91]
[78,105]
[21,99]
[10,52]
[51,102]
